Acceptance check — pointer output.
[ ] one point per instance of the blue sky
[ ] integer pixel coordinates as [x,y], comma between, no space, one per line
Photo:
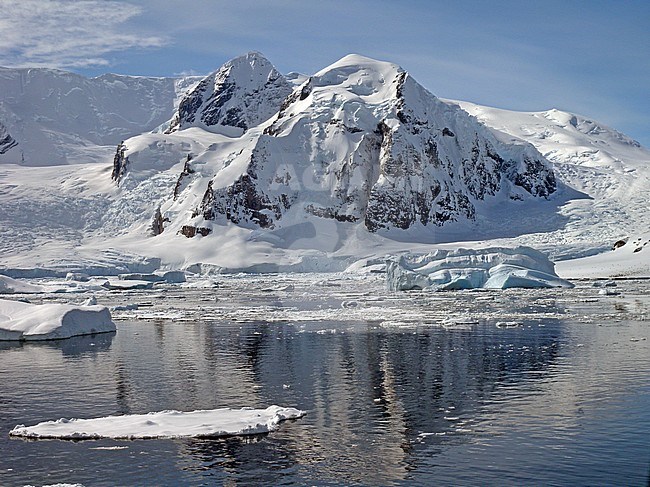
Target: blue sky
[590,57]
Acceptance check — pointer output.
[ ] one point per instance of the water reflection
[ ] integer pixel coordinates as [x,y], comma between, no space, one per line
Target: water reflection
[70,347]
[372,395]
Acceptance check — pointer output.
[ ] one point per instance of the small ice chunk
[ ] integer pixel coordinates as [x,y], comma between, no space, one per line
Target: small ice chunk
[141,277]
[77,276]
[174,277]
[287,287]
[508,324]
[126,284]
[125,307]
[608,292]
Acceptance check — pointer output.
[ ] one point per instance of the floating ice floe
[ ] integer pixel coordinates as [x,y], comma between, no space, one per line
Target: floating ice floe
[202,284]
[164,424]
[170,277]
[24,321]
[9,285]
[77,276]
[490,268]
[127,284]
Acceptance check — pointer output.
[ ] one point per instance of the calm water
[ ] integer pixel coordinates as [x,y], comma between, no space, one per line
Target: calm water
[443,397]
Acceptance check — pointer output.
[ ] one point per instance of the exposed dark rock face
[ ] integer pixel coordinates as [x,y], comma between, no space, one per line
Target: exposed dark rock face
[191,231]
[158,222]
[243,93]
[120,163]
[243,202]
[180,183]
[535,177]
[7,142]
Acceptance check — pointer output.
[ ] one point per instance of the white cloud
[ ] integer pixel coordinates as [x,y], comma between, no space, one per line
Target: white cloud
[68,33]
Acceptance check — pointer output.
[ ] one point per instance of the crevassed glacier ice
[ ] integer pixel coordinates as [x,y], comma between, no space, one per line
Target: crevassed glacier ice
[489,268]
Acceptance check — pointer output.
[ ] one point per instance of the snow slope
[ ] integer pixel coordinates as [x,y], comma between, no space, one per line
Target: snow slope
[604,164]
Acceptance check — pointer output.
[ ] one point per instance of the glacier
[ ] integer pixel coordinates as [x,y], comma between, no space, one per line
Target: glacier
[487,268]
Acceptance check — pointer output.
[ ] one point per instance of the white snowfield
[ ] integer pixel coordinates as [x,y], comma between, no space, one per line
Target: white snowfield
[165,424]
[490,268]
[630,260]
[29,322]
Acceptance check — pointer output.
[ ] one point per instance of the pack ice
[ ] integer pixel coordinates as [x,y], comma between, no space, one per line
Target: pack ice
[489,268]
[25,321]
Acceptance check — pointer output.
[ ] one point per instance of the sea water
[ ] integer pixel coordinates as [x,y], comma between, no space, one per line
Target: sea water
[517,387]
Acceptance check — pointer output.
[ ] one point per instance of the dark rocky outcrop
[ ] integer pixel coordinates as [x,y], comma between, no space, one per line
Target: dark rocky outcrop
[7,142]
[120,163]
[158,222]
[191,231]
[244,202]
[187,170]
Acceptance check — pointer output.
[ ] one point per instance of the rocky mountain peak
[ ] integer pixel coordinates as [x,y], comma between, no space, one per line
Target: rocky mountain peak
[241,94]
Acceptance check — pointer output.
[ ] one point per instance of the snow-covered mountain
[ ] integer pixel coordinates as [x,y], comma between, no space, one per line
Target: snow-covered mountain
[267,172]
[51,117]
[360,141]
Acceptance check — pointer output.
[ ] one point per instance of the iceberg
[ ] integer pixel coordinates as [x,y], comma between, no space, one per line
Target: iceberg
[25,321]
[488,268]
[165,424]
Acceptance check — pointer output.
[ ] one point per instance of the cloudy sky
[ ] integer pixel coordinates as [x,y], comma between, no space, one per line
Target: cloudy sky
[590,57]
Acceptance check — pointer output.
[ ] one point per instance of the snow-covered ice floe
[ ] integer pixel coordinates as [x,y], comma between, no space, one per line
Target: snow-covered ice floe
[489,268]
[164,424]
[9,285]
[25,321]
